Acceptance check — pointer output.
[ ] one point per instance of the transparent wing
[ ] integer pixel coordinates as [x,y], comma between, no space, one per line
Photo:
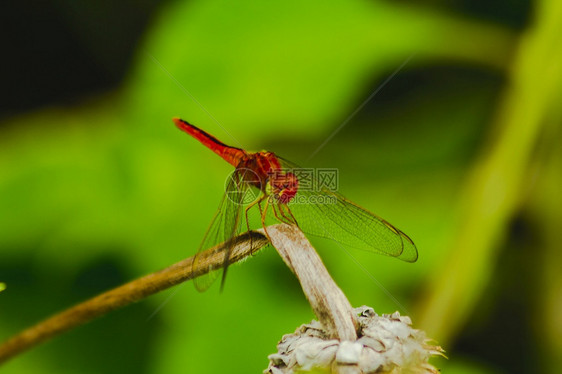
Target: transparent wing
[325,213]
[226,225]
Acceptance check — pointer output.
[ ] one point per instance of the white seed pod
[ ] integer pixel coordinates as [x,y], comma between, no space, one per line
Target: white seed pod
[386,344]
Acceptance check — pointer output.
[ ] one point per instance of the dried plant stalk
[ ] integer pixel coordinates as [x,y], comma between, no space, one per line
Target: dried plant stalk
[245,245]
[326,299]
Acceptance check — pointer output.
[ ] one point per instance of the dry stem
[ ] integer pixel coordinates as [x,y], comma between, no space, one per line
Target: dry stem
[326,299]
[131,292]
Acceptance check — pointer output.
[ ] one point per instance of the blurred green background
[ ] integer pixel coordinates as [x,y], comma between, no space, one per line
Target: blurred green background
[460,149]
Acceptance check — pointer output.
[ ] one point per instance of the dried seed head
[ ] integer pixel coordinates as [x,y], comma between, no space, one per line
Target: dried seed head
[386,344]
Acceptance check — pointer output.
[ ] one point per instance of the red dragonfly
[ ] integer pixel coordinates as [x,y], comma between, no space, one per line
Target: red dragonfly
[314,207]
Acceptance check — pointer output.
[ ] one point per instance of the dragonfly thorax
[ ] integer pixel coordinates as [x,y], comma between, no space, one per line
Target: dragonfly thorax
[270,177]
[284,186]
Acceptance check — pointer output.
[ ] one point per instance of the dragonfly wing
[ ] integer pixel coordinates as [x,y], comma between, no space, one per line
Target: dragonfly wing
[410,252]
[325,213]
[226,225]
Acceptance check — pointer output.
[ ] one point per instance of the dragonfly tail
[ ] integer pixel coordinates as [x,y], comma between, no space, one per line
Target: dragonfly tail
[232,155]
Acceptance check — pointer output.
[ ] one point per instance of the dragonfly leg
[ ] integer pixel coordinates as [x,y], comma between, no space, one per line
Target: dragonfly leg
[290,219]
[260,208]
[276,214]
[280,214]
[263,215]
[256,202]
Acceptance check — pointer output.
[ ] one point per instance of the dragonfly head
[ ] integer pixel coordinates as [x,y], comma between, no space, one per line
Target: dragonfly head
[284,186]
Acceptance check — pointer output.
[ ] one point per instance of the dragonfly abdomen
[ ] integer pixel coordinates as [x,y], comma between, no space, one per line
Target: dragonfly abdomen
[230,154]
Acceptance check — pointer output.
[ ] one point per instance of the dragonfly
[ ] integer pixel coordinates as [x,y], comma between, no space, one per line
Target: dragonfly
[281,189]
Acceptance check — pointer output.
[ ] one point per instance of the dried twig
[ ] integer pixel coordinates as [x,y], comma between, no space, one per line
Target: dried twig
[327,300]
[246,244]
[329,303]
